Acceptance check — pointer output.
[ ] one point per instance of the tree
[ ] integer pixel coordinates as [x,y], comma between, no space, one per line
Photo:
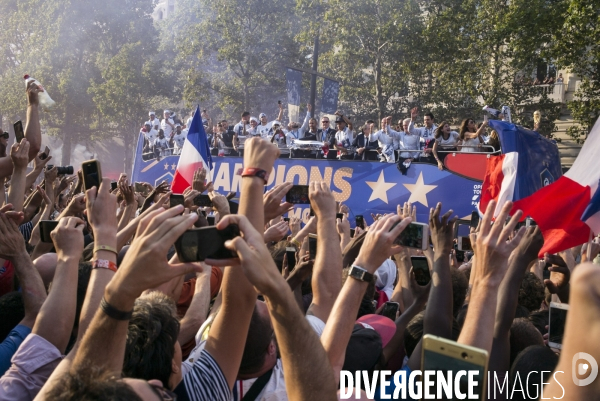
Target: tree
[576,46]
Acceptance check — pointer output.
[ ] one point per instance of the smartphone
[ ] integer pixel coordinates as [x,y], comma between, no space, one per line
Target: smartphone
[19,133]
[441,354]
[415,235]
[46,227]
[556,325]
[312,246]
[360,221]
[113,185]
[464,244]
[92,174]
[286,219]
[352,232]
[211,220]
[291,257]
[176,199]
[45,154]
[474,219]
[390,309]
[339,216]
[206,243]
[298,194]
[529,222]
[139,187]
[421,269]
[202,201]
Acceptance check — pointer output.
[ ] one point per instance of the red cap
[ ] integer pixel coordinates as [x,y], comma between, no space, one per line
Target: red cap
[381,324]
[26,76]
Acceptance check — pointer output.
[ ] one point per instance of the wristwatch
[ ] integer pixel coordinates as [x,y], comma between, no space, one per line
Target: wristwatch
[255,172]
[360,274]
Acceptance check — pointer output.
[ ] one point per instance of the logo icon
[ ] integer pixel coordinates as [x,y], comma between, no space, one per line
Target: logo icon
[580,368]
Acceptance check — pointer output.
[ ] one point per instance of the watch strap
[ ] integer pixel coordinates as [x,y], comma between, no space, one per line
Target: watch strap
[255,172]
[360,274]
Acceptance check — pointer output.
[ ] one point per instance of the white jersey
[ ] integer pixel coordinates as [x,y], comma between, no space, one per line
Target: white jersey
[167,129]
[154,124]
[179,139]
[151,136]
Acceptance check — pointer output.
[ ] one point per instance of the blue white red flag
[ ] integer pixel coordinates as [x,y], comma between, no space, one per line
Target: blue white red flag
[559,208]
[195,154]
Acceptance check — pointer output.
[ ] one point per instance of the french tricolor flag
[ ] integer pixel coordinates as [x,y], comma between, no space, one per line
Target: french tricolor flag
[195,154]
[559,208]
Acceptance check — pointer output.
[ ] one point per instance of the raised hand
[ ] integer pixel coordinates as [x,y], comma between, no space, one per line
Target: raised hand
[442,230]
[559,277]
[321,200]
[220,203]
[32,93]
[19,154]
[68,238]
[12,244]
[145,265]
[39,164]
[127,192]
[189,195]
[343,226]
[101,207]
[272,201]
[199,181]
[276,232]
[379,242]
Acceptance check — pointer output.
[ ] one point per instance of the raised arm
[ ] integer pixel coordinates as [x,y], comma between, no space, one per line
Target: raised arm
[16,192]
[327,272]
[438,315]
[56,317]
[199,307]
[33,132]
[508,296]
[377,247]
[490,266]
[308,373]
[228,332]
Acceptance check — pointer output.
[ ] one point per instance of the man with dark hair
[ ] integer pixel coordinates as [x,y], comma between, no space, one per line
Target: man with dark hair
[427,133]
[535,358]
[531,294]
[152,350]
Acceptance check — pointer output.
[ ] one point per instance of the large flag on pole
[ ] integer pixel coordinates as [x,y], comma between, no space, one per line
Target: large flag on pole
[559,208]
[529,162]
[195,154]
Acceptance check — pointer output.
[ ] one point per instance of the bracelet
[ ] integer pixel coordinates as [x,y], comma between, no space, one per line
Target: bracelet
[104,264]
[105,248]
[296,242]
[113,312]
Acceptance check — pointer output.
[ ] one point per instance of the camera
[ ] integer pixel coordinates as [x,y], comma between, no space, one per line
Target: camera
[66,170]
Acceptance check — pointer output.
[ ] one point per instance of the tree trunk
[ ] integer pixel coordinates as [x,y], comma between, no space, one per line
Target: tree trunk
[127,141]
[246,95]
[378,89]
[66,148]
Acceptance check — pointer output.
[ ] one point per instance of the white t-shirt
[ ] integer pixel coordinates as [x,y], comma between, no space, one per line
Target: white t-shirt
[166,127]
[179,139]
[188,123]
[450,142]
[161,143]
[473,143]
[151,136]
[154,123]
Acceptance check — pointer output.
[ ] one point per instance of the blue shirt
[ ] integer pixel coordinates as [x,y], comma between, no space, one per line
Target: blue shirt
[11,343]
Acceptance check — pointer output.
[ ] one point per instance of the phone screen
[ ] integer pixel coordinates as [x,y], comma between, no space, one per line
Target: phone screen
[113,185]
[360,221]
[19,134]
[464,244]
[202,201]
[474,220]
[91,174]
[312,246]
[176,199]
[440,362]
[44,155]
[291,258]
[211,220]
[46,227]
[339,216]
[556,327]
[411,236]
[421,269]
[390,309]
[298,194]
[206,243]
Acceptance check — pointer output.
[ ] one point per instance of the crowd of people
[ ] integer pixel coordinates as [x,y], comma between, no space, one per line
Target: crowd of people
[401,144]
[105,310]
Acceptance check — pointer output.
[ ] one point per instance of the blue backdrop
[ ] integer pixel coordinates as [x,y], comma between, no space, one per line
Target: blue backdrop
[366,187]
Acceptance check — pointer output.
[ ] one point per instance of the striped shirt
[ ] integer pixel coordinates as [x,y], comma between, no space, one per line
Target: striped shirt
[205,381]
[26,230]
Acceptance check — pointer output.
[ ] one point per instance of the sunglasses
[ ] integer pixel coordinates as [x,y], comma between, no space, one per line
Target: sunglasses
[4,135]
[163,393]
[324,122]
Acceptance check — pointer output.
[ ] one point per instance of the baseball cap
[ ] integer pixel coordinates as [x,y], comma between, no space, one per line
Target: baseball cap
[168,111]
[261,115]
[381,324]
[254,119]
[339,119]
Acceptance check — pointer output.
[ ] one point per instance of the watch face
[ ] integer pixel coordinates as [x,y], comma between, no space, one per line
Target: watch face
[357,273]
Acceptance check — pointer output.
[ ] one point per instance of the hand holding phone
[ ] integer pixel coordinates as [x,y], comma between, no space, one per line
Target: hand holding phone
[46,227]
[390,310]
[298,194]
[19,133]
[421,269]
[92,174]
[206,243]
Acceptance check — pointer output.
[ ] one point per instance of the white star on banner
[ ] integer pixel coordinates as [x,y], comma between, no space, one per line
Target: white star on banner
[419,191]
[173,166]
[166,166]
[380,188]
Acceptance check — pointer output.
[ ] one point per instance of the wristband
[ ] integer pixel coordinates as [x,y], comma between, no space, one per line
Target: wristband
[113,312]
[105,248]
[104,264]
[255,172]
[296,242]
